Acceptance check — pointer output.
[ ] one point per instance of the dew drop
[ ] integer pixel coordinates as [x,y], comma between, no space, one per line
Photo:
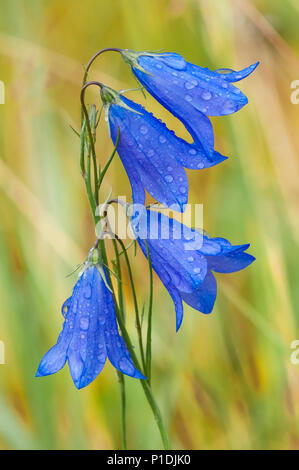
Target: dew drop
[87,291]
[206,95]
[191,84]
[190,258]
[143,130]
[168,178]
[169,168]
[126,366]
[192,152]
[228,108]
[200,165]
[84,323]
[196,270]
[188,98]
[183,189]
[162,139]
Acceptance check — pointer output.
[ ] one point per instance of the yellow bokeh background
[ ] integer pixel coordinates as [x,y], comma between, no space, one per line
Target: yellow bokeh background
[226,380]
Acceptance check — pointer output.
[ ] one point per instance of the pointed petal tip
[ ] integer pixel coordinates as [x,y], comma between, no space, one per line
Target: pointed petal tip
[139,375]
[178,324]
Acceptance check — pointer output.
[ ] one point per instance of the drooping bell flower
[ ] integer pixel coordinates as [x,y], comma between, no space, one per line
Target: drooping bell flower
[184,259]
[153,156]
[89,334]
[189,92]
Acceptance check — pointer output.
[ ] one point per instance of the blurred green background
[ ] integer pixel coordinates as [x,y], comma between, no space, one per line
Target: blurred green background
[226,380]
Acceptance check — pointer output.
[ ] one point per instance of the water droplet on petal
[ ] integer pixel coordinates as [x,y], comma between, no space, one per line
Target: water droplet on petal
[206,95]
[87,291]
[84,323]
[228,108]
[188,98]
[191,84]
[162,139]
[183,189]
[150,153]
[143,130]
[190,258]
[192,152]
[200,165]
[173,60]
[168,178]
[125,366]
[196,270]
[169,168]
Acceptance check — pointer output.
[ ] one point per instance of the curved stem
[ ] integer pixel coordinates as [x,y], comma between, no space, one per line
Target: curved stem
[93,152]
[90,62]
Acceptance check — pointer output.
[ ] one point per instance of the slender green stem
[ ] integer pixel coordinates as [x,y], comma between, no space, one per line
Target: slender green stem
[144,383]
[146,388]
[106,49]
[137,316]
[91,139]
[119,281]
[149,320]
[101,177]
[123,410]
[93,201]
[120,375]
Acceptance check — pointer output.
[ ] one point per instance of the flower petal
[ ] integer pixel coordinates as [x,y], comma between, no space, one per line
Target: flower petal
[193,87]
[204,297]
[158,265]
[233,76]
[117,351]
[231,261]
[56,357]
[149,149]
[168,245]
[168,88]
[87,353]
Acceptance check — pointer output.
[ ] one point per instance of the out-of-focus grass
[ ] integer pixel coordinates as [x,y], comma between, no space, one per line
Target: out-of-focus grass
[226,380]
